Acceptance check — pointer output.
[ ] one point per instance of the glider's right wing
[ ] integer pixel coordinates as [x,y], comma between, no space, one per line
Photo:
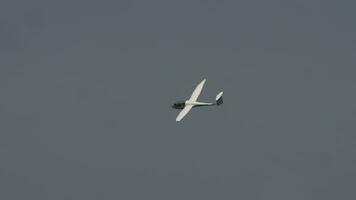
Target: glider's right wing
[184,112]
[197,91]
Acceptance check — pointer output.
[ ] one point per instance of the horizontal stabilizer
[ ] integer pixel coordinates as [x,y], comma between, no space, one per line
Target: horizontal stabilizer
[219,99]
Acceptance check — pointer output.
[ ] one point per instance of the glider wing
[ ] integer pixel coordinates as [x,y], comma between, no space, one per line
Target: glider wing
[197,91]
[184,112]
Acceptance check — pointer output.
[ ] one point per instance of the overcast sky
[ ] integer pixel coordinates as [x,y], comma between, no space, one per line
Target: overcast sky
[86,89]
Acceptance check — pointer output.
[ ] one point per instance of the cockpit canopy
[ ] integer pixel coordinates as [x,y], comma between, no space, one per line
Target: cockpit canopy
[179,105]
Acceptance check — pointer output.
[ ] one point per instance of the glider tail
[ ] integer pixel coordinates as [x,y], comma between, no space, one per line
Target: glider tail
[219,99]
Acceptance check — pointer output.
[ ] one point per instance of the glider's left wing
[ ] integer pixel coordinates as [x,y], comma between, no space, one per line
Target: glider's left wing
[197,91]
[184,112]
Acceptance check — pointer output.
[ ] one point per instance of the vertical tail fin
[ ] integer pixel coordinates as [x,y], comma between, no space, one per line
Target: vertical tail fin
[219,99]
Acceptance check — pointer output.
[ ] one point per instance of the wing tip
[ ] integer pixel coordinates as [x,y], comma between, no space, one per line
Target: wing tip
[202,82]
[179,118]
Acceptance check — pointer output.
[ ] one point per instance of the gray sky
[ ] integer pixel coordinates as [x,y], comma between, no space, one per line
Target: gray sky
[86,89]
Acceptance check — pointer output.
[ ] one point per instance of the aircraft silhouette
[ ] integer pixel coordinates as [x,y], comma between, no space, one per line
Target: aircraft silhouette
[187,105]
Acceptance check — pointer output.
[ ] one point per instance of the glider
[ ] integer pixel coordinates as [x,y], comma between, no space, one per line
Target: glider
[187,105]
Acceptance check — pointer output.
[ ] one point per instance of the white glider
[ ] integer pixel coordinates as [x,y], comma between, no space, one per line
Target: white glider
[187,105]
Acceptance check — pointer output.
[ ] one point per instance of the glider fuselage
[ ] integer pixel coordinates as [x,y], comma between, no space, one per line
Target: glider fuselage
[181,104]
